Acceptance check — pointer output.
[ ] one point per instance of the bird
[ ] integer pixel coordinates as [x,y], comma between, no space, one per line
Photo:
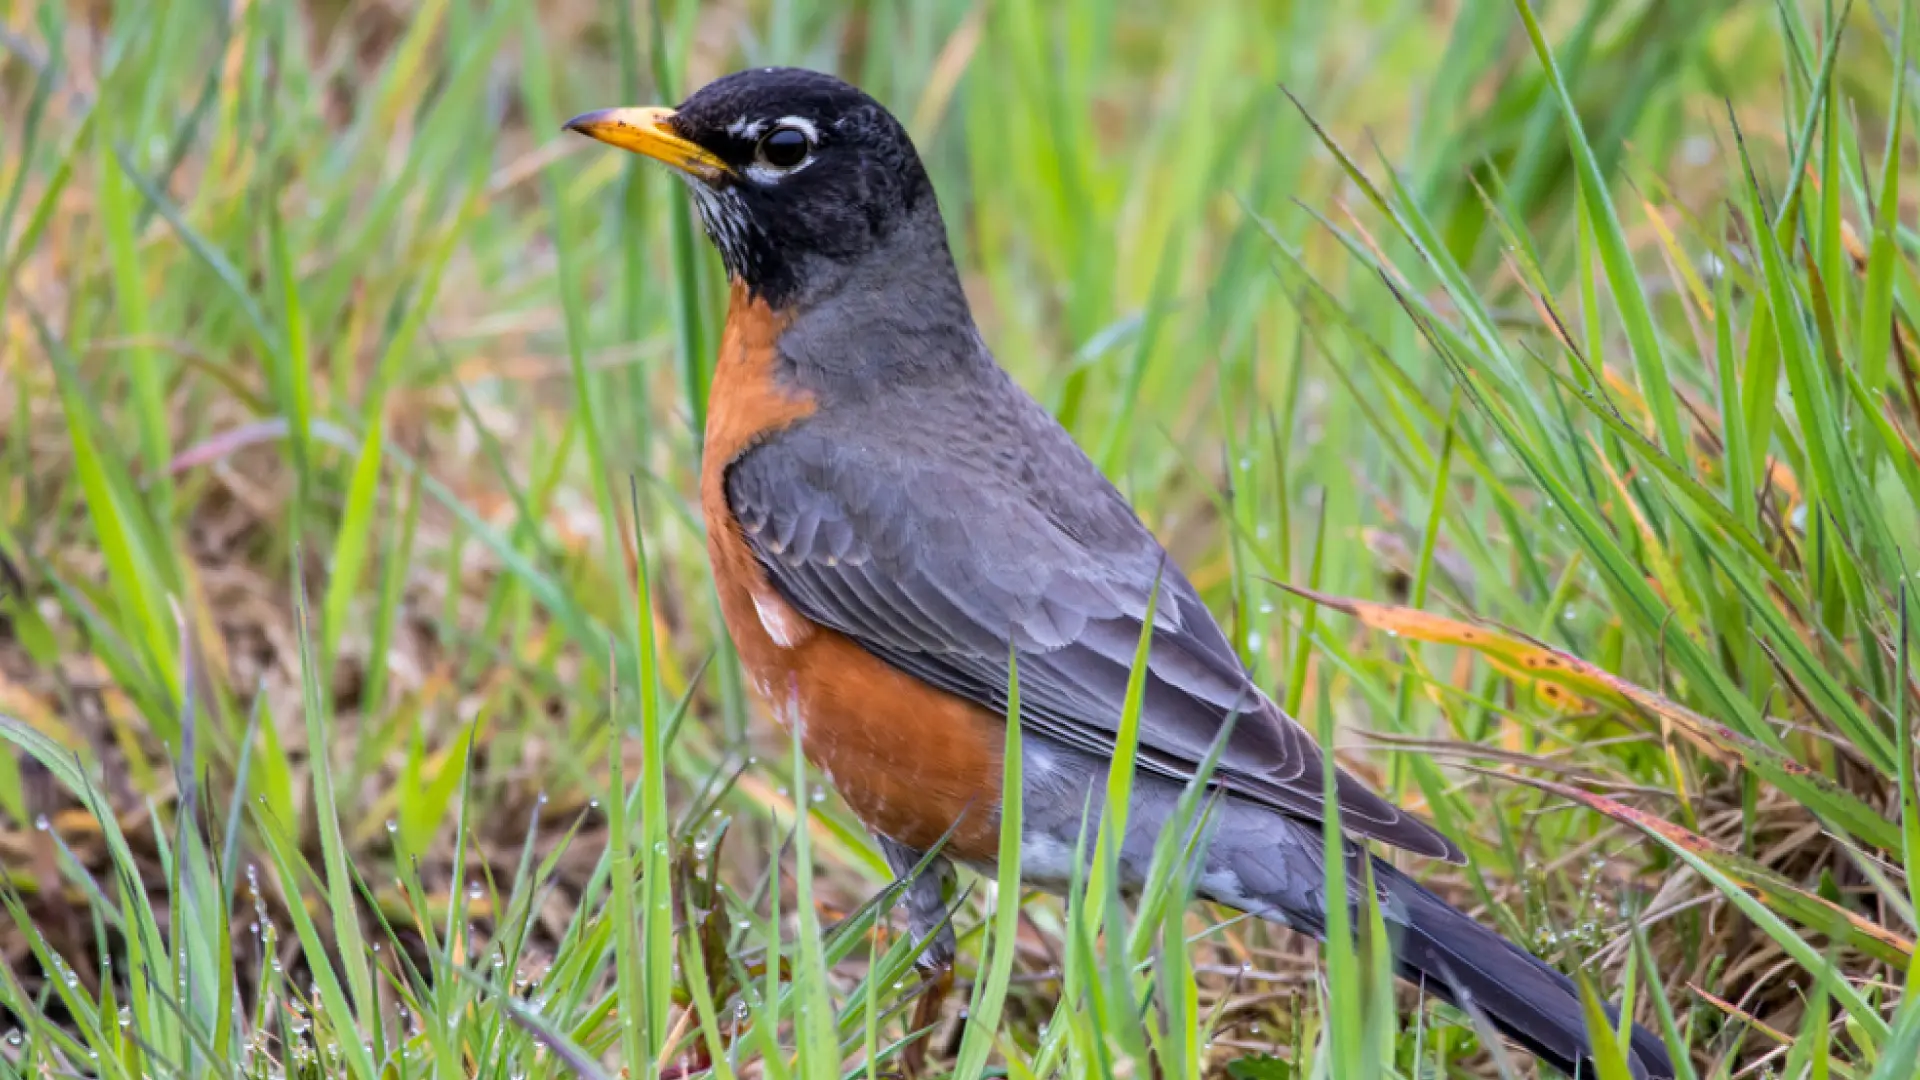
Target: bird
[895,527]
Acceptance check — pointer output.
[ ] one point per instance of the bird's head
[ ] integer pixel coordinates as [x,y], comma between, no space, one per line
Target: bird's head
[796,174]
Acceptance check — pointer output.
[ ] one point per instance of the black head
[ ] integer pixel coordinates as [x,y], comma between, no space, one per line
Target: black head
[796,174]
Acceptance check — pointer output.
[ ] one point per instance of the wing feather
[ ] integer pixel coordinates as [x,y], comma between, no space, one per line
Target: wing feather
[942,579]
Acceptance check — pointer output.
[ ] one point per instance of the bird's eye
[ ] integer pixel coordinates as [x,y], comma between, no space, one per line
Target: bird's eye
[785,147]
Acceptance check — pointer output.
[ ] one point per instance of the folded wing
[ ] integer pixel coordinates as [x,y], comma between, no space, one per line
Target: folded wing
[942,575]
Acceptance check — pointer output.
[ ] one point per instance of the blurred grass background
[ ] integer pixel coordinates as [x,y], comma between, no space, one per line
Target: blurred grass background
[348,421]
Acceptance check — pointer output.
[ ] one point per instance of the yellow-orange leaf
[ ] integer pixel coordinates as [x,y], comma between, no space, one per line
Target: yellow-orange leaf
[1530,662]
[1769,888]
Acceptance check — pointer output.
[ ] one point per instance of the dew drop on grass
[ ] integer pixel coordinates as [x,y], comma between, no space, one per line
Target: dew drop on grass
[474,892]
[43,824]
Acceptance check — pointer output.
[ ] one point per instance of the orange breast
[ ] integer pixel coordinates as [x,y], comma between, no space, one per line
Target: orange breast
[909,759]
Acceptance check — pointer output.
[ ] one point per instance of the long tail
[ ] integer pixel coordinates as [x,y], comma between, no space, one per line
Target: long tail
[1473,967]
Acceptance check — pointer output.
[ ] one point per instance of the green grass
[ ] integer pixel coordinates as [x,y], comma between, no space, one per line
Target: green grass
[368,708]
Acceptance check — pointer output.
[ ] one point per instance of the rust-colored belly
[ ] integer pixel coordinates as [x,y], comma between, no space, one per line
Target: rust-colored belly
[909,759]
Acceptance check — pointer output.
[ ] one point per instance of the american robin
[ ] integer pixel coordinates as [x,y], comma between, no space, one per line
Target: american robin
[889,516]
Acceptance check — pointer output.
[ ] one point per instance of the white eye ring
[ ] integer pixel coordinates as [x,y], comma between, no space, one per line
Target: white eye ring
[778,153]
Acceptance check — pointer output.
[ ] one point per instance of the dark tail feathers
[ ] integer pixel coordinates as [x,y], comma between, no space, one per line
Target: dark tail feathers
[1529,1002]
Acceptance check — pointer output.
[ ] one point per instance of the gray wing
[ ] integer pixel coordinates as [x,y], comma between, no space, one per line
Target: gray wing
[941,571]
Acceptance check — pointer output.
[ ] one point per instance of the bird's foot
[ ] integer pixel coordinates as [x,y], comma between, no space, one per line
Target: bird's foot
[935,985]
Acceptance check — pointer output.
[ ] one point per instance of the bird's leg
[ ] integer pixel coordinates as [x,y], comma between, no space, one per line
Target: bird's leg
[932,932]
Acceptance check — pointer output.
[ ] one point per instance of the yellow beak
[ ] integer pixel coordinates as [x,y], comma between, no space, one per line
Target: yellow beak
[649,131]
